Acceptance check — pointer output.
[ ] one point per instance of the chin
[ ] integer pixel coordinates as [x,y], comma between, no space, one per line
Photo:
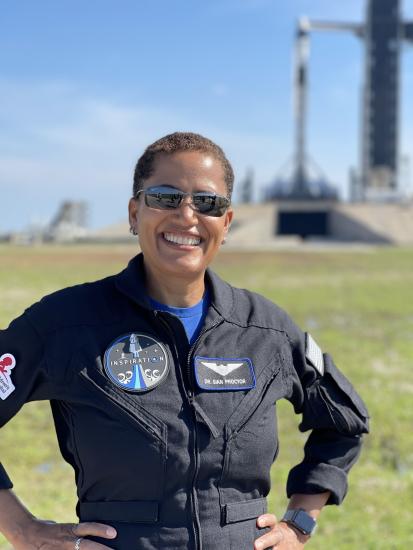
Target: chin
[189,268]
[186,265]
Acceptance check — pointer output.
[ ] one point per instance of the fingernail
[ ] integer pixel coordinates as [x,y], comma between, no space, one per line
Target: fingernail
[110,531]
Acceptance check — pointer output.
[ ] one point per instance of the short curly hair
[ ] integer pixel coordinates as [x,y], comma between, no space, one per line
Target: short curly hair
[175,143]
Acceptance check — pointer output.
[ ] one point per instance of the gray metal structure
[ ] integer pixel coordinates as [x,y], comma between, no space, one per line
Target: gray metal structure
[300,185]
[382,34]
[70,222]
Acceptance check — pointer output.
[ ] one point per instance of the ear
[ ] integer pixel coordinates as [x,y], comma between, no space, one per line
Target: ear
[229,214]
[133,212]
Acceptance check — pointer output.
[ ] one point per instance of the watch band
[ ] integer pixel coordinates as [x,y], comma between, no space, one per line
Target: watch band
[301,520]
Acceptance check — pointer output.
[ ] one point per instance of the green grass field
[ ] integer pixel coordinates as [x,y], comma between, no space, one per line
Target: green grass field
[357,303]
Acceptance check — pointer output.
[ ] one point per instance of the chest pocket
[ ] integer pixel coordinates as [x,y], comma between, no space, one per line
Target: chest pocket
[121,446]
[251,439]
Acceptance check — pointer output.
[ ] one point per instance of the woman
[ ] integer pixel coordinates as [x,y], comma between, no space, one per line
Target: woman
[163,381]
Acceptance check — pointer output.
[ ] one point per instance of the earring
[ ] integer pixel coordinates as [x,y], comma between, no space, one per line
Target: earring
[132,230]
[224,240]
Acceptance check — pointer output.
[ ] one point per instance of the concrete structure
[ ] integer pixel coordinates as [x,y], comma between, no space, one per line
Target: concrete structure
[69,224]
[260,225]
[115,233]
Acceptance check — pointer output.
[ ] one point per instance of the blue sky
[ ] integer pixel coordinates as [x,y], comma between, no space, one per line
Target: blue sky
[86,85]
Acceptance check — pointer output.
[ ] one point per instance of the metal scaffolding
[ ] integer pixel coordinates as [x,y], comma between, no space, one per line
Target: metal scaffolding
[382,35]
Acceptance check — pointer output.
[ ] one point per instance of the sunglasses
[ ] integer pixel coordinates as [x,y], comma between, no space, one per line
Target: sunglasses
[165,197]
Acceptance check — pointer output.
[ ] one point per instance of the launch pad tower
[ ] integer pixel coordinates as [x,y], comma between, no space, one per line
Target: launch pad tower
[382,35]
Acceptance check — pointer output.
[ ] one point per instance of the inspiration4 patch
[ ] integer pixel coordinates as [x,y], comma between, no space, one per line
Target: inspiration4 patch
[136,362]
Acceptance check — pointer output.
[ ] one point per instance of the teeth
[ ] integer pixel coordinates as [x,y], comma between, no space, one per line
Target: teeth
[179,239]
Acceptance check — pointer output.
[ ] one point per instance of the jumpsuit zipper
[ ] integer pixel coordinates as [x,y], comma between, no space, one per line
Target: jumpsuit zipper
[190,396]
[197,526]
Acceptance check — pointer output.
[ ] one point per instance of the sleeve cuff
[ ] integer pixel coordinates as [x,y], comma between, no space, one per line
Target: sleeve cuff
[308,478]
[5,481]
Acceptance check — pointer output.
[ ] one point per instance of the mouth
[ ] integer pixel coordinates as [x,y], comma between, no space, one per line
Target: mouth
[181,240]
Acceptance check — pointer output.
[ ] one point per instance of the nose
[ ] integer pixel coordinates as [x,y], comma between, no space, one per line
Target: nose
[186,209]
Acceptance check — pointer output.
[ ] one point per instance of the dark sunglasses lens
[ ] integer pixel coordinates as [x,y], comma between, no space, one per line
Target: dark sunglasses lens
[212,205]
[163,198]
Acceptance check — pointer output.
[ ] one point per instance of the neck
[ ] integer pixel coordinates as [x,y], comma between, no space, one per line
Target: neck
[175,291]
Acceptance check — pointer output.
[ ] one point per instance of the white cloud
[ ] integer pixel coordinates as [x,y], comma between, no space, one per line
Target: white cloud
[62,144]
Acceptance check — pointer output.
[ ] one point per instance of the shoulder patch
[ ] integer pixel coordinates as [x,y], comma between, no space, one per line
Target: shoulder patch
[314,354]
[7,363]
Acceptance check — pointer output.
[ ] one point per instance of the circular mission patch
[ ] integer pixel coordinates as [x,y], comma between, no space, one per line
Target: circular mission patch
[136,362]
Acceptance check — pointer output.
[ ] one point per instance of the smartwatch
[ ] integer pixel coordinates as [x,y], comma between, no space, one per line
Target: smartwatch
[301,520]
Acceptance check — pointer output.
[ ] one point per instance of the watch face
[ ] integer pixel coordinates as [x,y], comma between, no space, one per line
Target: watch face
[301,521]
[305,522]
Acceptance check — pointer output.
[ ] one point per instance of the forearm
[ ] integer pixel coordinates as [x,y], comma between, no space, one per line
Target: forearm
[312,504]
[13,515]
[23,530]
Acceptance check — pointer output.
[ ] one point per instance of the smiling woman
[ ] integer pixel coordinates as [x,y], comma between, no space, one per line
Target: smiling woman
[164,379]
[178,243]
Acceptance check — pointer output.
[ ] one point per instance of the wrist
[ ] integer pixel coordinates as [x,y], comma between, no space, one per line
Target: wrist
[301,521]
[19,531]
[15,518]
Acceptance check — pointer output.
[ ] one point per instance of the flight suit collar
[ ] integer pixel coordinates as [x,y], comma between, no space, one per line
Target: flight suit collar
[131,282]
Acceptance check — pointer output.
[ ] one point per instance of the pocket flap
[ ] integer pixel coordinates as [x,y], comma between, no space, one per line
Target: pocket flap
[140,511]
[246,509]
[124,402]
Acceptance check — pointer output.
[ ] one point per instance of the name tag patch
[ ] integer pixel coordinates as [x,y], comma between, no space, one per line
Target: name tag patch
[136,362]
[219,373]
[7,363]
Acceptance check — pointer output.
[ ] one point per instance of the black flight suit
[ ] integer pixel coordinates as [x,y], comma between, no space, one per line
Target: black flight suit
[179,466]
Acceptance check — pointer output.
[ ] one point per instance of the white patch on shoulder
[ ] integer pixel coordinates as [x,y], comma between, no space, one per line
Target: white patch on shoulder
[314,354]
[7,363]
